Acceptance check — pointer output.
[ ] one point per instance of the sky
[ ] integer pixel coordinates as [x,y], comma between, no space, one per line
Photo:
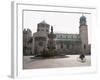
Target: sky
[61,22]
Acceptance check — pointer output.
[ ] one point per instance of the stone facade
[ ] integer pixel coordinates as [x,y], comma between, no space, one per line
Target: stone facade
[27,42]
[65,43]
[83,31]
[68,43]
[40,38]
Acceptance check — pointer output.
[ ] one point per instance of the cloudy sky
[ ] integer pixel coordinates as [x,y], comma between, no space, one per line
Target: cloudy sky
[62,22]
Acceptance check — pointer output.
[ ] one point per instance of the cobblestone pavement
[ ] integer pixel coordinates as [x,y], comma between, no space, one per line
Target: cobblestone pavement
[70,61]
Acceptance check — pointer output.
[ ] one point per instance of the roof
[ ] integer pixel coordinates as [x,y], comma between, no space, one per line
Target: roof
[82,17]
[43,22]
[67,37]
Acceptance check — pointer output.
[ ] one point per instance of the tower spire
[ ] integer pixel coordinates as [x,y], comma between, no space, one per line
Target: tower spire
[82,20]
[51,29]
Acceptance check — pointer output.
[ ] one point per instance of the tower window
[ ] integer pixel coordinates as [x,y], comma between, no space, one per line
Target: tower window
[42,29]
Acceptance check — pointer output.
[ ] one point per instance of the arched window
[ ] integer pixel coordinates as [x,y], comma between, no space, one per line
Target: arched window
[84,46]
[61,36]
[61,45]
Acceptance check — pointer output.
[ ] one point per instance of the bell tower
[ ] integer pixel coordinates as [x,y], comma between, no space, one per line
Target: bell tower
[83,31]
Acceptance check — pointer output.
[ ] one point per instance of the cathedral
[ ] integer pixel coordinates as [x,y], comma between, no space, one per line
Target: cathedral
[64,43]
